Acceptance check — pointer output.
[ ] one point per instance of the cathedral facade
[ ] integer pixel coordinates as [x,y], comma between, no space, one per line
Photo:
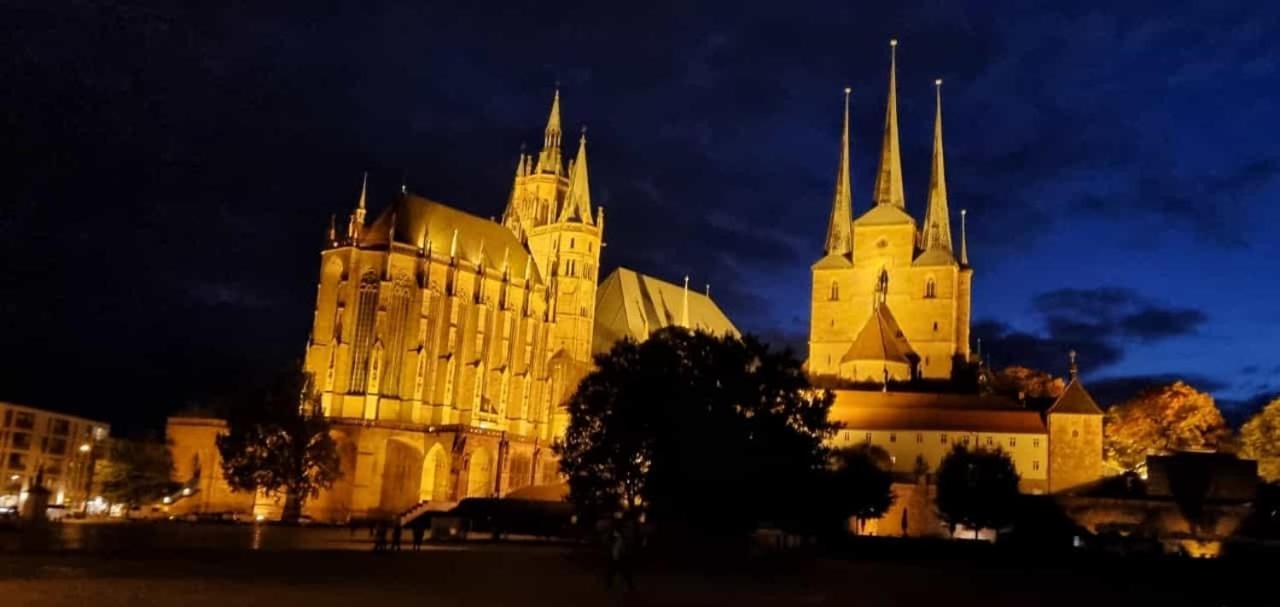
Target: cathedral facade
[890,298]
[444,343]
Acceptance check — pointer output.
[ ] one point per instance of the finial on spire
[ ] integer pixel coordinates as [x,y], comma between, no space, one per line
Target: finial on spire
[840,226]
[364,188]
[1073,370]
[708,290]
[333,229]
[888,189]
[964,239]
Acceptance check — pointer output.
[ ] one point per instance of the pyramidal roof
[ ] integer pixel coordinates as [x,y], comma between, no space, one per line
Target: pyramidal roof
[880,339]
[631,304]
[1075,399]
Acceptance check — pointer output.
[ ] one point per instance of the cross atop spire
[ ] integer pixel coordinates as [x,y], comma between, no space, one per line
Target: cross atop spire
[964,239]
[889,178]
[937,222]
[840,227]
[549,159]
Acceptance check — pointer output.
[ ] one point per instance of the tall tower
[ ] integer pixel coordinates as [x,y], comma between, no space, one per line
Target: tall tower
[550,210]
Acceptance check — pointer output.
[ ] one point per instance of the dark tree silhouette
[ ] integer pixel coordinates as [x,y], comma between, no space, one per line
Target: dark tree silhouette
[280,444]
[977,489]
[714,433]
[861,484]
[137,472]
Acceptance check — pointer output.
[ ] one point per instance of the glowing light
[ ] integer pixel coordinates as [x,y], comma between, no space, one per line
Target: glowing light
[186,491]
[166,499]
[84,448]
[260,518]
[14,477]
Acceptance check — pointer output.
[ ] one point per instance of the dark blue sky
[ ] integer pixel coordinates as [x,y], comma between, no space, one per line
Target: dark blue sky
[171,169]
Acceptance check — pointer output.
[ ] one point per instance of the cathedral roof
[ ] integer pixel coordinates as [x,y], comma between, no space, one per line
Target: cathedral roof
[1075,399]
[935,256]
[419,221]
[1012,421]
[884,214]
[880,339]
[631,304]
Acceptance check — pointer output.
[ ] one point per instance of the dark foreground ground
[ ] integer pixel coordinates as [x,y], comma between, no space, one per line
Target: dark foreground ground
[480,574]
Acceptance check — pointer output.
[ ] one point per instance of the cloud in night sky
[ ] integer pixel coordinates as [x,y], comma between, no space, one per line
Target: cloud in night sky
[1098,323]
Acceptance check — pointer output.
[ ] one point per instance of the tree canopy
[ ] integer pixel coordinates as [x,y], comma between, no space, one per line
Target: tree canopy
[280,444]
[860,484]
[1162,420]
[977,488]
[719,433]
[1260,440]
[1031,383]
[136,472]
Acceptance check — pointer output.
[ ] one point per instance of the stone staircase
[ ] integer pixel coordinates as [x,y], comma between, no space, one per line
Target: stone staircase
[423,507]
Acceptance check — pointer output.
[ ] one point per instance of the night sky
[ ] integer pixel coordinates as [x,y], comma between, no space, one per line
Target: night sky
[171,170]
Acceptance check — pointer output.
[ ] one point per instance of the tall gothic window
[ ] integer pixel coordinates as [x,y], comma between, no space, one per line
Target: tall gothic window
[366,314]
[930,288]
[397,319]
[835,291]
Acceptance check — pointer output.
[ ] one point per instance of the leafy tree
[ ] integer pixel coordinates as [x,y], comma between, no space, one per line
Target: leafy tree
[1031,383]
[281,444]
[1162,420]
[136,472]
[716,433]
[1260,440]
[977,488]
[861,484]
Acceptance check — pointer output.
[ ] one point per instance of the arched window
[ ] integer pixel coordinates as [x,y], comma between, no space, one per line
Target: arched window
[570,244]
[366,313]
[835,291]
[930,288]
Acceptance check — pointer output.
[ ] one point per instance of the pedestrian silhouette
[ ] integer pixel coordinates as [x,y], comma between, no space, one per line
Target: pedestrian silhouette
[396,535]
[419,530]
[380,536]
[619,545]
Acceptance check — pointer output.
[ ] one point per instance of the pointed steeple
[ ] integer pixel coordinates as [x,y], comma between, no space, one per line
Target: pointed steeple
[889,178]
[577,200]
[840,226]
[549,159]
[333,230]
[510,215]
[937,222]
[964,239]
[356,222]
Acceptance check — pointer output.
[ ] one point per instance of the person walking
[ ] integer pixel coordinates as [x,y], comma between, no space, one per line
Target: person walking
[419,530]
[619,558]
[396,534]
[380,536]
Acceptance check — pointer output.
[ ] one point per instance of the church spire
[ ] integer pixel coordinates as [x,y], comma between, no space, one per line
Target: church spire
[937,222]
[577,201]
[889,178]
[840,227]
[549,159]
[356,222]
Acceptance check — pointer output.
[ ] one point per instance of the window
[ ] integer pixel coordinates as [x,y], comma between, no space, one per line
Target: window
[60,427]
[893,438]
[990,441]
[25,421]
[366,313]
[570,244]
[919,437]
[868,437]
[8,418]
[1035,465]
[1035,442]
[21,440]
[588,247]
[944,439]
[17,461]
[1013,442]
[965,441]
[930,288]
[1075,434]
[835,291]
[935,326]
[56,446]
